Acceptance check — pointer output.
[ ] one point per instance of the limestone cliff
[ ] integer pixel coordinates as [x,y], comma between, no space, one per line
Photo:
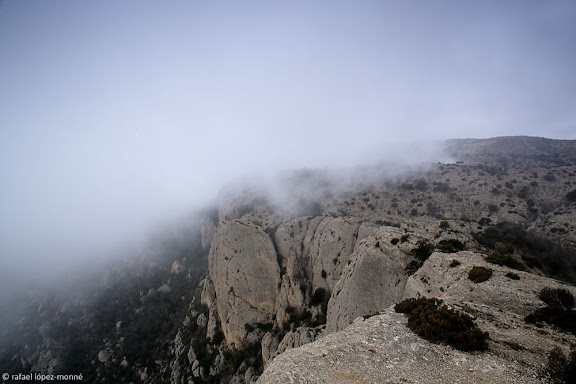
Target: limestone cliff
[246,276]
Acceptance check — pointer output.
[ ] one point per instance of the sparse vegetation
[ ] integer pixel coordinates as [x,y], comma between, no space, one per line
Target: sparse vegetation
[506,260]
[423,250]
[479,274]
[454,264]
[512,276]
[553,258]
[435,322]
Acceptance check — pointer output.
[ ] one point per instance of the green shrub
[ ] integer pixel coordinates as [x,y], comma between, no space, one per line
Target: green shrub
[404,238]
[423,249]
[454,263]
[479,274]
[394,241]
[437,323]
[506,260]
[413,266]
[557,298]
[512,275]
[450,246]
[532,262]
[561,369]
[444,224]
[558,310]
[408,305]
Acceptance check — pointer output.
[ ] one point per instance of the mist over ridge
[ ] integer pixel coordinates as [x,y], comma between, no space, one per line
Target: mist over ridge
[115,117]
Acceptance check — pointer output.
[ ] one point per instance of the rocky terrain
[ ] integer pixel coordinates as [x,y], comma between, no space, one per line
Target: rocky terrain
[295,280]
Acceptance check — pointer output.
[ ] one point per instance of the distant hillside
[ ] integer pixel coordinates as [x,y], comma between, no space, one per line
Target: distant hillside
[547,152]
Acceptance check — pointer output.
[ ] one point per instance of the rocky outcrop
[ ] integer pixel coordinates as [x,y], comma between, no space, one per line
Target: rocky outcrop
[374,279]
[437,278]
[383,350]
[269,346]
[297,338]
[244,270]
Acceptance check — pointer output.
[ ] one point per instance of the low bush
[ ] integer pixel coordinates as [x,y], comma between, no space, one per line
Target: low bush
[561,369]
[454,264]
[558,310]
[413,266]
[450,246]
[435,322]
[512,276]
[479,274]
[506,260]
[423,249]
[557,298]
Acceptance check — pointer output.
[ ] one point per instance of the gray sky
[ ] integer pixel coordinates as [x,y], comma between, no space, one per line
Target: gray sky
[115,113]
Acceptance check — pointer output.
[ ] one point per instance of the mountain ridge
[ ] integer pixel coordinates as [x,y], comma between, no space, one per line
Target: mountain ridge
[222,298]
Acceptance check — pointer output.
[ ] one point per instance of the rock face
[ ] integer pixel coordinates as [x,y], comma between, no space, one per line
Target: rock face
[246,276]
[313,252]
[374,279]
[330,250]
[207,232]
[383,350]
[293,243]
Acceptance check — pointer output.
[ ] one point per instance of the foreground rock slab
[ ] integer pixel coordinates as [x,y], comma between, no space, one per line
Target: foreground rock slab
[382,349]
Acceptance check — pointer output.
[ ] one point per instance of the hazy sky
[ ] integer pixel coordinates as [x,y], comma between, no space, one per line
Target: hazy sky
[113,113]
